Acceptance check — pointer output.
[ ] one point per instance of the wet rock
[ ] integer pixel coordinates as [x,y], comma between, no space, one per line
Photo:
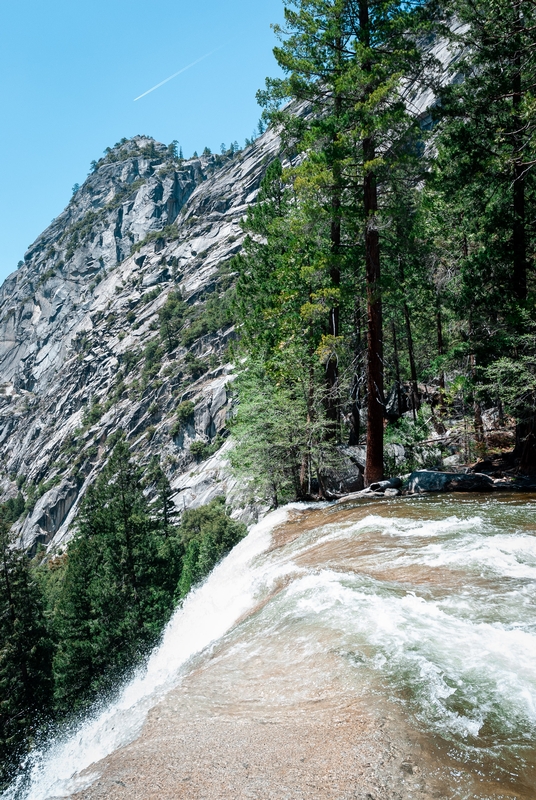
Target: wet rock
[428,481]
[390,483]
[365,494]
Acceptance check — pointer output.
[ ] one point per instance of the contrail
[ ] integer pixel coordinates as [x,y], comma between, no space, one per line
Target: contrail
[158,85]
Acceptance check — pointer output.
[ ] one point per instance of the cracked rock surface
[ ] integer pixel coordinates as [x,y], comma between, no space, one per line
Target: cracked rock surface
[76,317]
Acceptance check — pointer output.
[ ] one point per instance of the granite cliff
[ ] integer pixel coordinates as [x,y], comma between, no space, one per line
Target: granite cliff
[83,351]
[116,320]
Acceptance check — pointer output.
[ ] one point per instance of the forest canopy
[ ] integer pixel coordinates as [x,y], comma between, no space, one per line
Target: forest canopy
[389,264]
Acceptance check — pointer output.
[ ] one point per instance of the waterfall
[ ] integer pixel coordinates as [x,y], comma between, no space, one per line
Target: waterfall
[207,613]
[422,606]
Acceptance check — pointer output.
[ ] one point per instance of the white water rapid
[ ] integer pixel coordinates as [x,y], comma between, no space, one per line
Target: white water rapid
[207,614]
[419,611]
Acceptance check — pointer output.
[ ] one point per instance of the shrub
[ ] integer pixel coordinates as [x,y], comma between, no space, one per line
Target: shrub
[185,410]
[203,450]
[171,317]
[148,297]
[199,450]
[129,360]
[208,534]
[170,232]
[194,366]
[93,414]
[176,428]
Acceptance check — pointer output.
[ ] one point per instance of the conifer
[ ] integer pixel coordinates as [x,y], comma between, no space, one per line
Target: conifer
[25,656]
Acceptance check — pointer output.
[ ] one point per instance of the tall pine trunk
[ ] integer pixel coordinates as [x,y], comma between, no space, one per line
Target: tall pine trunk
[440,352]
[397,370]
[525,448]
[415,402]
[332,368]
[375,399]
[519,225]
[355,419]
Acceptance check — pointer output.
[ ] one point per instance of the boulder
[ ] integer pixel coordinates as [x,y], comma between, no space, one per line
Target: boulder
[382,486]
[348,478]
[424,480]
[358,454]
[396,403]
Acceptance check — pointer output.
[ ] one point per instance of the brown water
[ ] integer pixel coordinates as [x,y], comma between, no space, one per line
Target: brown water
[382,651]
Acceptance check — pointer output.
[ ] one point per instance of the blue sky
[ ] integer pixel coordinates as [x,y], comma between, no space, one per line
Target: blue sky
[69,73]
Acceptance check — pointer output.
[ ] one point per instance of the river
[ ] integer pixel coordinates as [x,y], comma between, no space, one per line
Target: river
[379,651]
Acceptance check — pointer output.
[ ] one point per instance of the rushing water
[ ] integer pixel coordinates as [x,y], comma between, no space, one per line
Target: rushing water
[426,604]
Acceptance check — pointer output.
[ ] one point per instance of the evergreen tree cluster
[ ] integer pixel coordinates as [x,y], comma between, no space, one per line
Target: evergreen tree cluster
[72,626]
[395,249]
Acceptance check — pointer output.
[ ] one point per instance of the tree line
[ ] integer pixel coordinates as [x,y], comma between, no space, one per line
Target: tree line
[395,248]
[73,625]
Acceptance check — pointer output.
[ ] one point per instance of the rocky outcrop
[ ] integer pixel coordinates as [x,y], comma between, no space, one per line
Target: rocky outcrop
[79,317]
[428,481]
[82,350]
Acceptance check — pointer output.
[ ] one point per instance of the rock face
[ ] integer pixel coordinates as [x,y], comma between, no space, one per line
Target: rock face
[428,481]
[82,353]
[77,317]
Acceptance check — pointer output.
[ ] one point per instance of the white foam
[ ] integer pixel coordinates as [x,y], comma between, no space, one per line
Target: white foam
[458,657]
[207,614]
[416,644]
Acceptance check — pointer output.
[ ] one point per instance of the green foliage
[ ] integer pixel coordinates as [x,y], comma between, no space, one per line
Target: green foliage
[282,298]
[93,413]
[211,316]
[453,224]
[12,509]
[72,625]
[152,361]
[208,534]
[171,317]
[151,295]
[414,435]
[169,233]
[129,359]
[49,273]
[25,657]
[117,591]
[202,450]
[195,367]
[280,435]
[184,412]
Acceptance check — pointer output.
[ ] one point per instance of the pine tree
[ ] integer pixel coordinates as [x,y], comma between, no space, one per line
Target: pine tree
[482,201]
[118,587]
[345,60]
[208,534]
[25,656]
[281,295]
